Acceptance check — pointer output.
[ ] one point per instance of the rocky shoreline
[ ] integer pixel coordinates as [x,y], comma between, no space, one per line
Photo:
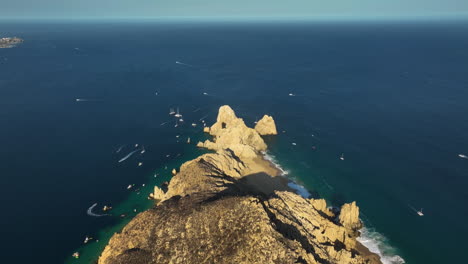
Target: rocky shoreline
[10,42]
[232,206]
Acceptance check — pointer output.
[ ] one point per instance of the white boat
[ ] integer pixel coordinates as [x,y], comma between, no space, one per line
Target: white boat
[140,163]
[171,111]
[294,144]
[181,120]
[129,186]
[194,125]
[420,212]
[462,156]
[143,151]
[178,114]
[188,141]
[205,93]
[291,94]
[342,156]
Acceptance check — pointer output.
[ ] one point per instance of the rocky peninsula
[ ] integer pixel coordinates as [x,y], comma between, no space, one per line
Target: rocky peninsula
[9,42]
[233,206]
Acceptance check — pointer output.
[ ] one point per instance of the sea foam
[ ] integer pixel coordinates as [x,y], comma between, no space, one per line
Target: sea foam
[378,244]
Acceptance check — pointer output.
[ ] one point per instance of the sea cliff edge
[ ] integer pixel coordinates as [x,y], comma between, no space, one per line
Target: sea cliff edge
[233,206]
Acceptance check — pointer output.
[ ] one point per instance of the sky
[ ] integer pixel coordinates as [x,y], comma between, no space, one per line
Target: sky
[229,8]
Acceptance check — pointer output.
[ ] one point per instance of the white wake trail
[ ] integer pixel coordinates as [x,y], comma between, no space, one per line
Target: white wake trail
[128,155]
[90,211]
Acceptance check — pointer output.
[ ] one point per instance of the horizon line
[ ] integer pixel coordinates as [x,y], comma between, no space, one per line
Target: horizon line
[317,18]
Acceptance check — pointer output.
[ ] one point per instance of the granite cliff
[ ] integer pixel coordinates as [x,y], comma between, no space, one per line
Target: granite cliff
[232,206]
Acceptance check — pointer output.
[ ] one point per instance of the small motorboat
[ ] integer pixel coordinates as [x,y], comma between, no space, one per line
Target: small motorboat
[178,114]
[420,212]
[87,239]
[462,156]
[342,156]
[76,255]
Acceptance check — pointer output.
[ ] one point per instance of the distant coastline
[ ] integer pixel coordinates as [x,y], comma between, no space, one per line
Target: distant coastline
[6,43]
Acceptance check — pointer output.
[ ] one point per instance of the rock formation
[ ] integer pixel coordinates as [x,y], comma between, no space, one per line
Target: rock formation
[266,126]
[349,216]
[229,131]
[227,207]
[9,42]
[157,194]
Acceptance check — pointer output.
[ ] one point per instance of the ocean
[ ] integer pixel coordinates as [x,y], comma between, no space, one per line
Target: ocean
[391,97]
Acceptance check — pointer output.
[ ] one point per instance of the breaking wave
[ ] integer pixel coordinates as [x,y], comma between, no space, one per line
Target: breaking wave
[378,244]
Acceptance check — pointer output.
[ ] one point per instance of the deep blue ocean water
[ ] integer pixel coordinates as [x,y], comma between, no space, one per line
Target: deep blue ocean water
[393,97]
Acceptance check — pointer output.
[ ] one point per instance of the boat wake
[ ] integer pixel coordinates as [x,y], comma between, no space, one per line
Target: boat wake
[378,244]
[90,211]
[185,64]
[128,155]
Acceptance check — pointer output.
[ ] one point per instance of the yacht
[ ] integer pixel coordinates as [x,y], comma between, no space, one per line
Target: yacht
[178,114]
[420,212]
[462,156]
[171,111]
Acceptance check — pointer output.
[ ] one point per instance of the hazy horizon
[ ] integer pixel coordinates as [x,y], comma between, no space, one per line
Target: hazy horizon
[241,9]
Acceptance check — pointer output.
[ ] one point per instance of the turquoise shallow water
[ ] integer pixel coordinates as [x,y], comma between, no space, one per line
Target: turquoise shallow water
[390,96]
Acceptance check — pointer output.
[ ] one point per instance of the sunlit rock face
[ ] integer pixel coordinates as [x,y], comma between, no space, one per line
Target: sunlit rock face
[231,206]
[266,126]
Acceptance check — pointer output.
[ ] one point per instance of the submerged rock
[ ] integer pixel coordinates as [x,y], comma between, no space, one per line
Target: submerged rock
[228,207]
[266,126]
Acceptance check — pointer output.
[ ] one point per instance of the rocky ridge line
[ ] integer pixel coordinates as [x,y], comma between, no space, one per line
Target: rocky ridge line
[232,206]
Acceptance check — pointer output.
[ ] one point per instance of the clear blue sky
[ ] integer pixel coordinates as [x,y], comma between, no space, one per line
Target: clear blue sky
[228,8]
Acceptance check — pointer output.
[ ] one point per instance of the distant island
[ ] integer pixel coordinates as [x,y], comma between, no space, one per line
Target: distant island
[233,206]
[9,42]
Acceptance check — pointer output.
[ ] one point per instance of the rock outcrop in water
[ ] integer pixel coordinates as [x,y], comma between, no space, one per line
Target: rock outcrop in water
[229,131]
[229,207]
[266,126]
[9,42]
